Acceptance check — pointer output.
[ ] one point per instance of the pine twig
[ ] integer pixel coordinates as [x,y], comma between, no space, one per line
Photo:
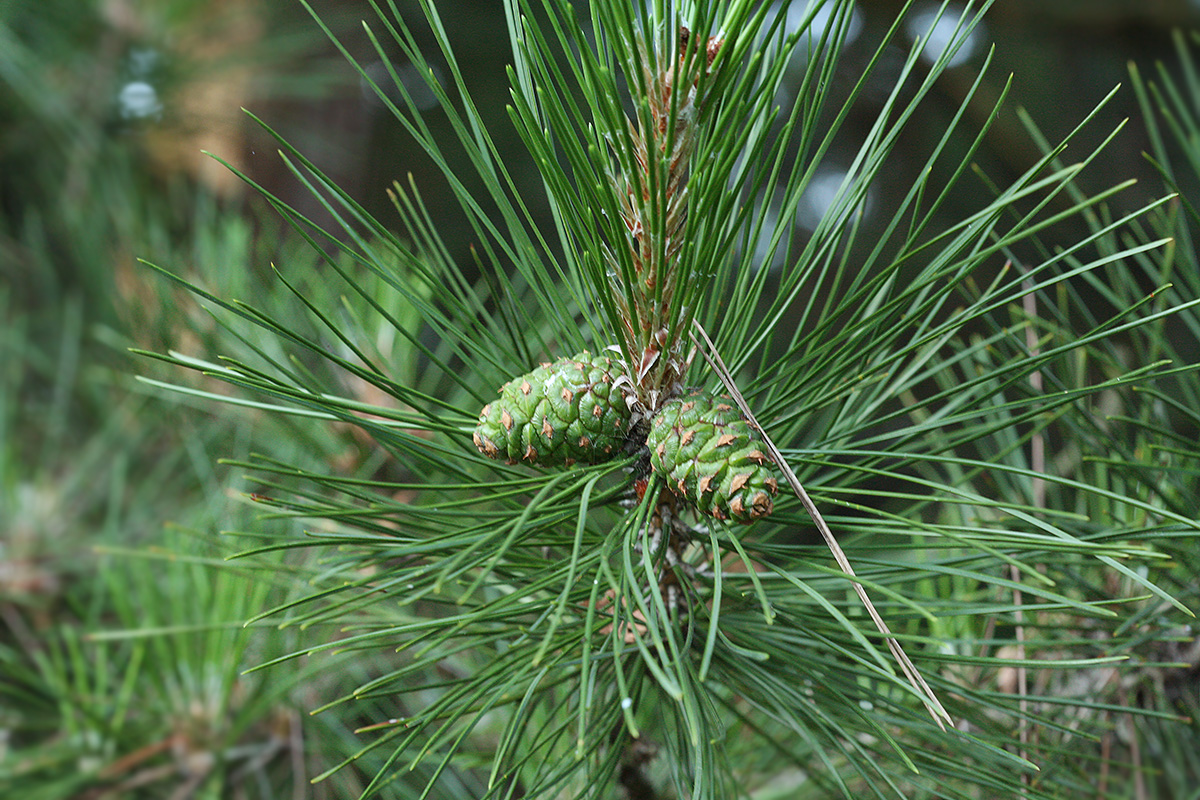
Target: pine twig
[932,704]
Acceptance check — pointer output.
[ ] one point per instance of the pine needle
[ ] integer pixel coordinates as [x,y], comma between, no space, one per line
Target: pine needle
[932,704]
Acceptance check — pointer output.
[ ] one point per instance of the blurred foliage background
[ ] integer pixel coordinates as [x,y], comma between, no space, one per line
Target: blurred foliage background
[111,502]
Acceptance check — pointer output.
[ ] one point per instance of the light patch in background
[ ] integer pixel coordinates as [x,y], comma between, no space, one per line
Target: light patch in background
[819,198]
[409,77]
[940,29]
[822,20]
[142,61]
[815,204]
[828,18]
[796,19]
[138,100]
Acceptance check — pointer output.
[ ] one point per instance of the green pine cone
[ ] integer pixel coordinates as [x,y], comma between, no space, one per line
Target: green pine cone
[710,455]
[559,414]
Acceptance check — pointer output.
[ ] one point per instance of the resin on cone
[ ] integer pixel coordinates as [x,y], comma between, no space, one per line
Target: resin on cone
[561,413]
[710,455]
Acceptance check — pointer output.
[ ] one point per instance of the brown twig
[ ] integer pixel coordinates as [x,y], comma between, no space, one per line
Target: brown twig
[1037,491]
[932,704]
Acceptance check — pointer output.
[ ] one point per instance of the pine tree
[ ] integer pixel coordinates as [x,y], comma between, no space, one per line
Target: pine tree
[588,619]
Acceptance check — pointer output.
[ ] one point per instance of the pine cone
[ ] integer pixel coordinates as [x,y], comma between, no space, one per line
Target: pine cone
[560,413]
[710,455]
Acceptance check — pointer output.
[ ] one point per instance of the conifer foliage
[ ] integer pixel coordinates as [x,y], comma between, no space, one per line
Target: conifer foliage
[571,609]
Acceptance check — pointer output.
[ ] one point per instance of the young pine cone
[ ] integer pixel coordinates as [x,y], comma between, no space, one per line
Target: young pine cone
[560,413]
[711,456]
